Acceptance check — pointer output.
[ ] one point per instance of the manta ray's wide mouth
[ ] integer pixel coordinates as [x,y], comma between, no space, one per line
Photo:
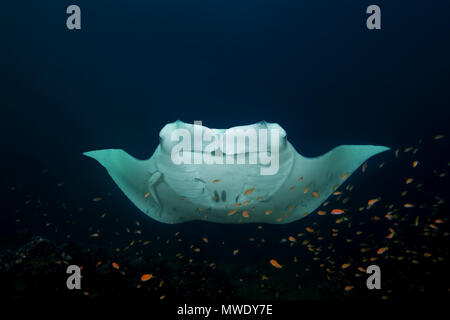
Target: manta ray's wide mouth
[258,144]
[194,144]
[256,138]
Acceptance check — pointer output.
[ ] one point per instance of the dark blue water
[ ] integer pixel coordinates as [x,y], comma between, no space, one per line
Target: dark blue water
[312,67]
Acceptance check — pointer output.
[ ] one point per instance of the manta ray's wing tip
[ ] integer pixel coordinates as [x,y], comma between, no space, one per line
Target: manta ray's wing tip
[99,155]
[90,154]
[373,150]
[382,148]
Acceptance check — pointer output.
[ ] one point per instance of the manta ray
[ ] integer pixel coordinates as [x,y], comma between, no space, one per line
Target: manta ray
[251,181]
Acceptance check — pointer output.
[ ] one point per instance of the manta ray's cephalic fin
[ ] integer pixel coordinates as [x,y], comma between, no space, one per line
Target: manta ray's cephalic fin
[152,182]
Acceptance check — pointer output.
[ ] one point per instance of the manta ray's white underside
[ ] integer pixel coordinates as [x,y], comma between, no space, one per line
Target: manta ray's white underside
[231,193]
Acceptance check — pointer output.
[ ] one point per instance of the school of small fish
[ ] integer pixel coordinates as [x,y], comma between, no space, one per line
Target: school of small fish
[320,241]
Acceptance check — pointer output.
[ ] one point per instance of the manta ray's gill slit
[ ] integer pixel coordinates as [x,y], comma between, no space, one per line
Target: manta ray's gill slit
[220,198]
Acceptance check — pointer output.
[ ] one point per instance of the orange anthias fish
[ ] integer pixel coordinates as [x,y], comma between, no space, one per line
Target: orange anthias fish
[348,288]
[364,167]
[292,239]
[146,277]
[390,235]
[248,191]
[316,194]
[275,263]
[337,211]
[381,250]
[372,202]
[115,265]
